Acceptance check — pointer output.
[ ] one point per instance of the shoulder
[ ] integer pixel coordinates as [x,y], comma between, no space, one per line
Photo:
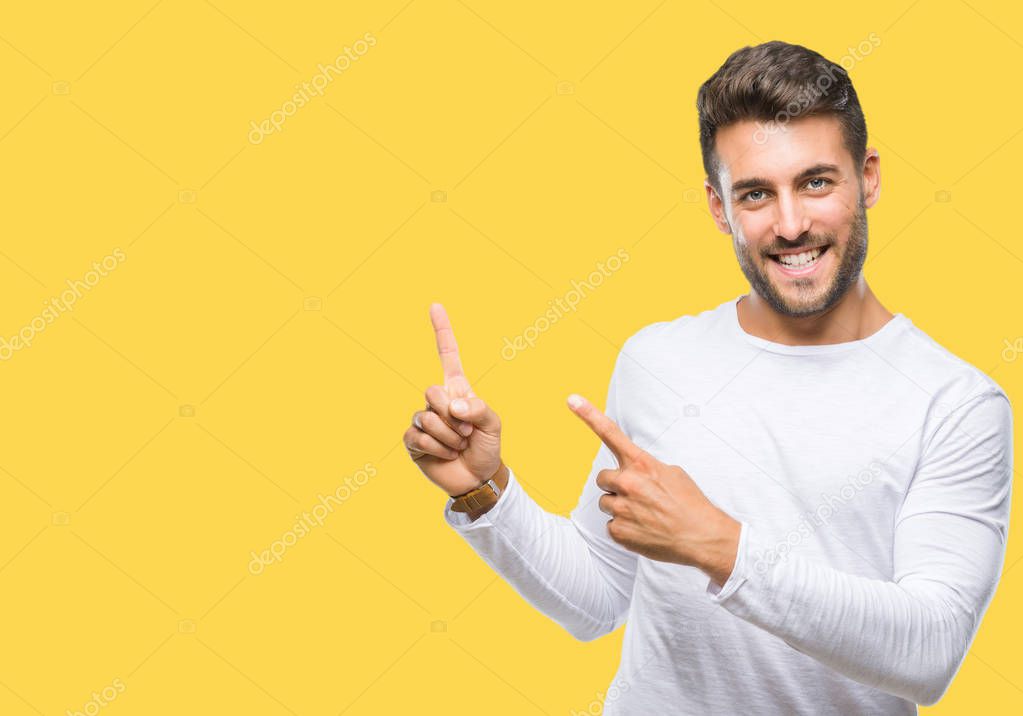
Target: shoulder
[963,399]
[680,331]
[953,381]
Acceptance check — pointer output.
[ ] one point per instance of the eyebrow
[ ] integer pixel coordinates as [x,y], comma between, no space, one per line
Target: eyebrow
[753,182]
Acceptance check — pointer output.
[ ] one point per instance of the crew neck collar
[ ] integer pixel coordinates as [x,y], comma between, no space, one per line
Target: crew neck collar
[894,325]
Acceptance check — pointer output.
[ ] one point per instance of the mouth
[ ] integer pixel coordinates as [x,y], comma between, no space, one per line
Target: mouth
[800,263]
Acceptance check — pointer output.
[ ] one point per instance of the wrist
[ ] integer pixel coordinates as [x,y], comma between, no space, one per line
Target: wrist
[494,477]
[500,478]
[481,499]
[720,557]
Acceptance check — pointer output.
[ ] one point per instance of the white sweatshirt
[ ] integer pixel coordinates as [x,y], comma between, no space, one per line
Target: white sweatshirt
[872,479]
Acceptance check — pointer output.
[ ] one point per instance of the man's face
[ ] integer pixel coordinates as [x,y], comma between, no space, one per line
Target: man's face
[795,206]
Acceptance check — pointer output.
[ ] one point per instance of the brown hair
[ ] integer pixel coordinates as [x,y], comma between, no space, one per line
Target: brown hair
[774,82]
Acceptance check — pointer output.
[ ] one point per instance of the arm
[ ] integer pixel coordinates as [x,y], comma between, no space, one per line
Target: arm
[567,568]
[907,636]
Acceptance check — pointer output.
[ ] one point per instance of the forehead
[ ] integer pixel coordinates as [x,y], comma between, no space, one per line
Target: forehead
[750,148]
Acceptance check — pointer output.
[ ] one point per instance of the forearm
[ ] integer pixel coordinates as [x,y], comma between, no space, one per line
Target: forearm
[717,557]
[547,560]
[906,637]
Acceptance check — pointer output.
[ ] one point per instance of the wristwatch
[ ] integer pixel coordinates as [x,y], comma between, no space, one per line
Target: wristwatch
[477,501]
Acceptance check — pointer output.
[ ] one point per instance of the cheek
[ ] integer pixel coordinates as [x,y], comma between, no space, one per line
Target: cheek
[836,224]
[754,231]
[834,216]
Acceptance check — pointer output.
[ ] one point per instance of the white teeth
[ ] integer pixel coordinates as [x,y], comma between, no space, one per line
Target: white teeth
[803,259]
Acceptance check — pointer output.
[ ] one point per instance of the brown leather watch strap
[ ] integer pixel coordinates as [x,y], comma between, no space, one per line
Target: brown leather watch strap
[481,499]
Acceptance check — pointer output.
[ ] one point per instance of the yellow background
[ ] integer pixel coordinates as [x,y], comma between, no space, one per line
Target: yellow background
[196,400]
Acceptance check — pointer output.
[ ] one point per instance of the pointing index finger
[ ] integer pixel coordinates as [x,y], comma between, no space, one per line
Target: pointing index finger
[447,348]
[624,450]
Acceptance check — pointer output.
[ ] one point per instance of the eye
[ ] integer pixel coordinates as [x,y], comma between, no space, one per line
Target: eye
[756,196]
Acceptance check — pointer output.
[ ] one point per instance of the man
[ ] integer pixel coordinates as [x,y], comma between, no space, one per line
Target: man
[800,503]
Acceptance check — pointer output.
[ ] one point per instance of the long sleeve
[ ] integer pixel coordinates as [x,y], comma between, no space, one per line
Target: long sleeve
[568,568]
[908,636]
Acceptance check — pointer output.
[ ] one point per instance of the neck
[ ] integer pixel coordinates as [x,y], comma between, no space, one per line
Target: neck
[855,316]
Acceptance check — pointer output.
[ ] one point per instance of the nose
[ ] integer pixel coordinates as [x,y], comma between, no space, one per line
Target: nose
[791,221]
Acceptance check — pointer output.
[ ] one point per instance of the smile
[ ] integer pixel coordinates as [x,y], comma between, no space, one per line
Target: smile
[801,263]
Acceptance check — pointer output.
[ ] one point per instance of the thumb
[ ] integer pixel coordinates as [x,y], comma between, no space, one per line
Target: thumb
[473,410]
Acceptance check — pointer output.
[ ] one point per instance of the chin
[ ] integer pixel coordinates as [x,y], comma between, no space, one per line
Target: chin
[804,309]
[813,298]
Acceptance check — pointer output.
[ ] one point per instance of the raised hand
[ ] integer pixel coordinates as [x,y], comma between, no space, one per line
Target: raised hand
[458,447]
[656,509]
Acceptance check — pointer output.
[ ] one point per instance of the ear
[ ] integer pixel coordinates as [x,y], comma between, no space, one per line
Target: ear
[871,177]
[717,208]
